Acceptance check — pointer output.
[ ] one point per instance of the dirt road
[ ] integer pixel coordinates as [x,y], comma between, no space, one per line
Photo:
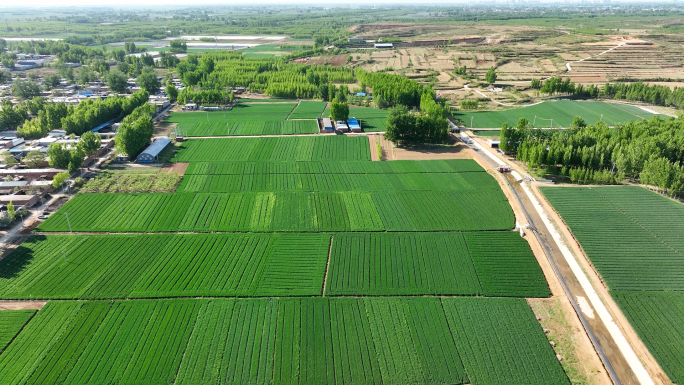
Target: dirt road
[610,338]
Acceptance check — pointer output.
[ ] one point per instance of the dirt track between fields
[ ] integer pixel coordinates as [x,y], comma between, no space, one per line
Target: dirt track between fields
[22,305]
[651,365]
[585,360]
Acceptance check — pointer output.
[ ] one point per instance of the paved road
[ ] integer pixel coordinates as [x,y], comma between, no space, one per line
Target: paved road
[618,357]
[6,240]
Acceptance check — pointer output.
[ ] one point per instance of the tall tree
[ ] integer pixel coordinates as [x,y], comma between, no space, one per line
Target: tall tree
[117,81]
[89,143]
[490,76]
[25,89]
[149,81]
[339,110]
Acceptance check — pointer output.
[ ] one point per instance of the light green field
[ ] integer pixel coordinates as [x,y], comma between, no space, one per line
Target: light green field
[562,112]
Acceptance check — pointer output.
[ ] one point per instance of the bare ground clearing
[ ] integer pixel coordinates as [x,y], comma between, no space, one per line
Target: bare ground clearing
[22,305]
[580,360]
[179,168]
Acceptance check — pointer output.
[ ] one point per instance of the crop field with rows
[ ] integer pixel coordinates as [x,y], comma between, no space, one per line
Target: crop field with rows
[561,111]
[373,124]
[284,341]
[634,239]
[351,167]
[308,110]
[11,323]
[479,263]
[632,236]
[337,182]
[657,318]
[286,211]
[243,112]
[322,268]
[159,265]
[246,128]
[221,265]
[278,149]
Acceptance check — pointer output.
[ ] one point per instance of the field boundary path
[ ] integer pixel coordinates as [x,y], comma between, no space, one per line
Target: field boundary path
[567,64]
[619,358]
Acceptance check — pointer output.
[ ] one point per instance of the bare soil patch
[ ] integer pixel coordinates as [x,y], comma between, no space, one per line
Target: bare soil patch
[178,168]
[456,151]
[580,360]
[386,146]
[164,128]
[22,305]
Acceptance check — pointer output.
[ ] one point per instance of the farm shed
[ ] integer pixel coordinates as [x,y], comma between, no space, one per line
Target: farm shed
[8,187]
[354,125]
[493,143]
[30,173]
[383,45]
[153,150]
[340,125]
[327,124]
[19,200]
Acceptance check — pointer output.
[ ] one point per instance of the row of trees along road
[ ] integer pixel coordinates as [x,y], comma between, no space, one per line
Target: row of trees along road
[645,151]
[135,131]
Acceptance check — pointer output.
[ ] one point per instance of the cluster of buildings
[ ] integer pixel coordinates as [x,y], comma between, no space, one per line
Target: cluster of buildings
[327,125]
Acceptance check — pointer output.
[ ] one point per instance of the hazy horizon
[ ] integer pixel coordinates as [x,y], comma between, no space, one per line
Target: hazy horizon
[184,4]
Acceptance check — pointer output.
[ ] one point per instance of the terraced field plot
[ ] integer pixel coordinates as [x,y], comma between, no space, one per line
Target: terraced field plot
[286,211]
[308,110]
[481,263]
[328,148]
[562,112]
[287,340]
[634,239]
[245,128]
[154,266]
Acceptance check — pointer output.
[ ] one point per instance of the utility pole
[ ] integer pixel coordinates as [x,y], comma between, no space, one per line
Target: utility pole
[118,186]
[601,117]
[68,222]
[471,121]
[551,122]
[64,255]
[535,121]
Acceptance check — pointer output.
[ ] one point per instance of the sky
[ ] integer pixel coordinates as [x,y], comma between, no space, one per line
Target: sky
[153,3]
[228,3]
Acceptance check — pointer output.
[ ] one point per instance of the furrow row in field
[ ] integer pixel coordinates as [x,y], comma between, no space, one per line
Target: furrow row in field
[477,209]
[284,341]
